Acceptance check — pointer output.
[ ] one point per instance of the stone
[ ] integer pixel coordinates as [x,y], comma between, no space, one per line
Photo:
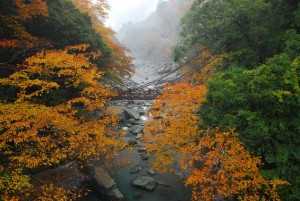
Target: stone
[132,142]
[136,129]
[151,172]
[140,122]
[130,113]
[145,182]
[139,136]
[131,121]
[103,179]
[144,157]
[116,193]
[142,149]
[106,184]
[136,169]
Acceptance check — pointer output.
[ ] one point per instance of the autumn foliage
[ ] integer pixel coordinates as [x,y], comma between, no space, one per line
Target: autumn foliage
[216,165]
[36,133]
[173,122]
[28,10]
[52,100]
[221,168]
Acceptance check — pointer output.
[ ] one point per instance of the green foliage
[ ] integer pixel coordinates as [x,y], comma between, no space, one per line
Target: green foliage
[263,104]
[66,25]
[248,30]
[63,25]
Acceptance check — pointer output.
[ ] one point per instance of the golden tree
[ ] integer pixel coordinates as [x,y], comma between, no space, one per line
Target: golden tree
[36,133]
[221,168]
[173,123]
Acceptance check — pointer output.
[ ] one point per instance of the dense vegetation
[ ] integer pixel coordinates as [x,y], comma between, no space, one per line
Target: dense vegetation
[52,103]
[231,126]
[247,54]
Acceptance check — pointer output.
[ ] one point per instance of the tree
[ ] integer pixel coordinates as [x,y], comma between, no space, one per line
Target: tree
[28,9]
[57,114]
[262,104]
[250,31]
[222,169]
[216,165]
[173,124]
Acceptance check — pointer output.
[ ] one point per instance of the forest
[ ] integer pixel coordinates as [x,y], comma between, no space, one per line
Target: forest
[230,125]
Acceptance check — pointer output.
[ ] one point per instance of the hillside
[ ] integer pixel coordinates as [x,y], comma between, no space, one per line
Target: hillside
[152,40]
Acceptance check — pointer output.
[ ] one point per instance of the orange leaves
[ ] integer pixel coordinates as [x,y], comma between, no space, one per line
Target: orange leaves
[174,122]
[50,192]
[202,66]
[76,127]
[223,168]
[32,8]
[217,164]
[92,7]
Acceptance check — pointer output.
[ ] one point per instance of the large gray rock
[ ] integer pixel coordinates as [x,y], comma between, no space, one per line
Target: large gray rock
[106,183]
[103,179]
[145,182]
[130,113]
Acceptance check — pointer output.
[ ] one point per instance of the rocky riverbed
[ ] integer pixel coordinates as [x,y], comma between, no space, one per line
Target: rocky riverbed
[135,179]
[130,176]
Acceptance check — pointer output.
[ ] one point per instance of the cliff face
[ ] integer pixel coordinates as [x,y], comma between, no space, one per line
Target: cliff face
[152,40]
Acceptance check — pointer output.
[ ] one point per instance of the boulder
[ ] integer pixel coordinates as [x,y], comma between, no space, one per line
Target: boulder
[103,179]
[145,182]
[106,184]
[130,113]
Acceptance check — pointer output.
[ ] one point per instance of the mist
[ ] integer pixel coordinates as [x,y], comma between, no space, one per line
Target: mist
[123,12]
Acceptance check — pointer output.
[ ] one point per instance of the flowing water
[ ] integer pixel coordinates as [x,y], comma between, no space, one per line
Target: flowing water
[137,163]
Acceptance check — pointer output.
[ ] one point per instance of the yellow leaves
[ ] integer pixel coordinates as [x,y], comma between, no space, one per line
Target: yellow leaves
[92,7]
[222,167]
[12,182]
[173,122]
[29,9]
[50,192]
[202,66]
[78,127]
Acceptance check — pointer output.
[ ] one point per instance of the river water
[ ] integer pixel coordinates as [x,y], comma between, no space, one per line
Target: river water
[137,163]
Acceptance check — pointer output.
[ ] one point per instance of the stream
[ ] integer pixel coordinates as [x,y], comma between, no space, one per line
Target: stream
[135,179]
